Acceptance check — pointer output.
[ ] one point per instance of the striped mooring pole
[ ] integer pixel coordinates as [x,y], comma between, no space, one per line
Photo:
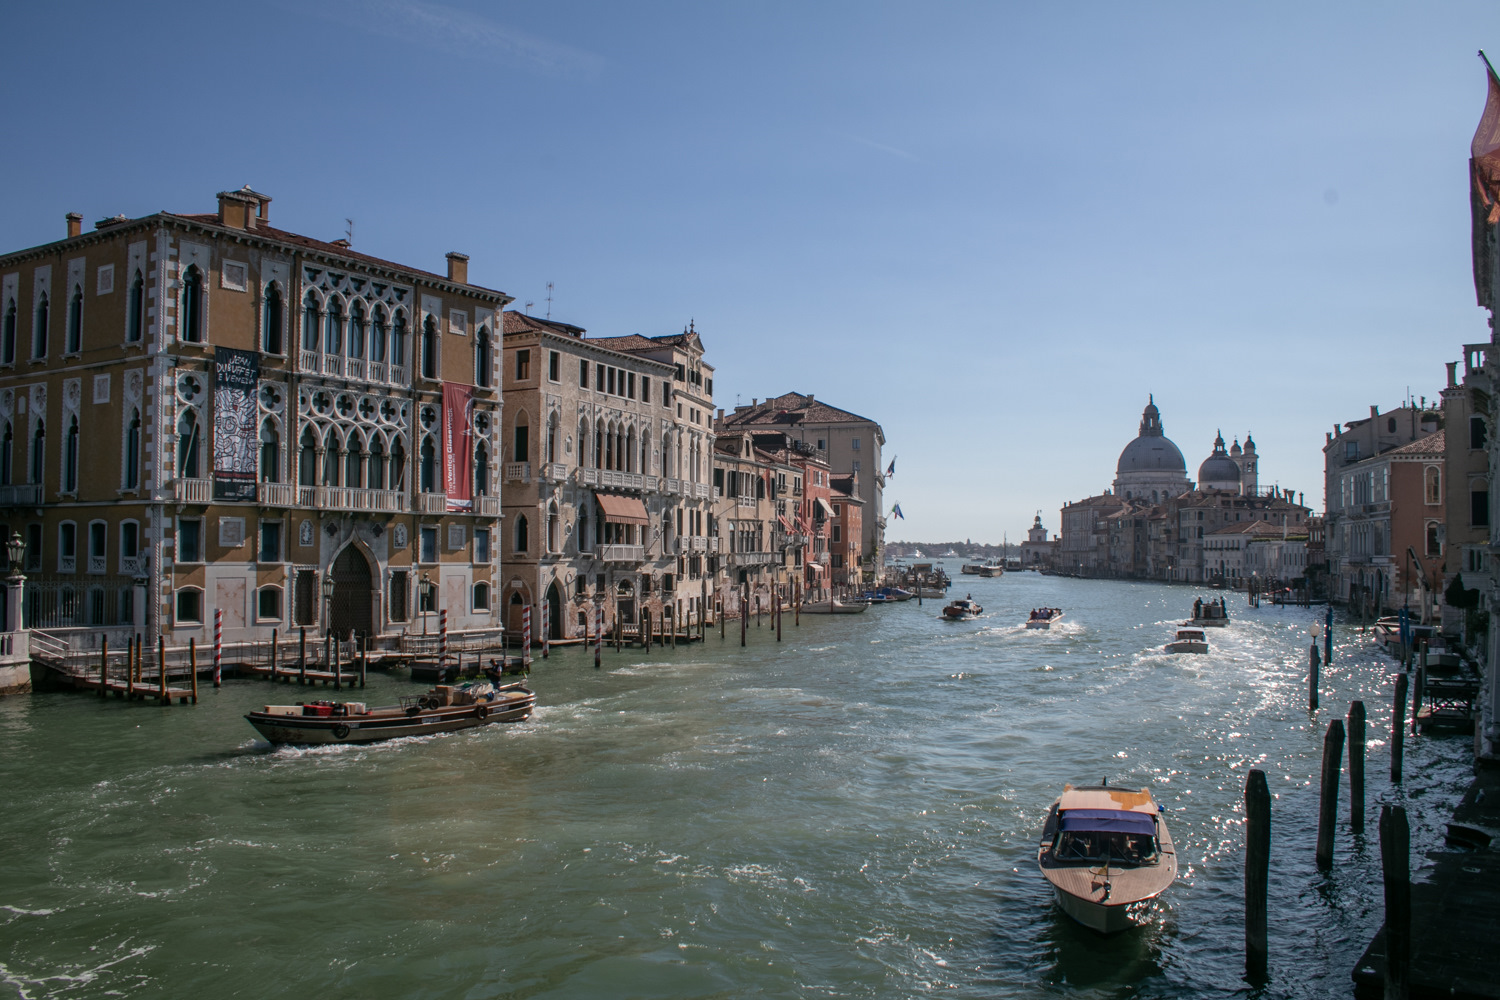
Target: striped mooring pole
[526,635]
[218,646]
[546,624]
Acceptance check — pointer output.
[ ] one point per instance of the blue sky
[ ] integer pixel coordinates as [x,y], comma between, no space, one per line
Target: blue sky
[993,227]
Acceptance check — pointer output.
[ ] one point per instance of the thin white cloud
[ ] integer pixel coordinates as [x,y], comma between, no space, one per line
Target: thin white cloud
[464,33]
[881,146]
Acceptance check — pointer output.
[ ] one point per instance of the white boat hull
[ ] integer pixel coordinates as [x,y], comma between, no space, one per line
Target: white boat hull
[1186,647]
[1103,917]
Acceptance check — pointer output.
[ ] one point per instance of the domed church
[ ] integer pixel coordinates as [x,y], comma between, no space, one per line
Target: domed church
[1151,467]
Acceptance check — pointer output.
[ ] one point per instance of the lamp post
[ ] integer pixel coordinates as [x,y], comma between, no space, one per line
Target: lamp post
[328,602]
[16,550]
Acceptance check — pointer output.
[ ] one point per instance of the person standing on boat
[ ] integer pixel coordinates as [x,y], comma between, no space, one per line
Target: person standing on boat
[1197,607]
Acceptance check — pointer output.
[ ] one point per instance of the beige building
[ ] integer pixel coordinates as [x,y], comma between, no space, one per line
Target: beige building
[608,459]
[848,442]
[201,412]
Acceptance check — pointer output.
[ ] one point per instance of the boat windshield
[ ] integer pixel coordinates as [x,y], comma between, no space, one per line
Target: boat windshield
[1101,846]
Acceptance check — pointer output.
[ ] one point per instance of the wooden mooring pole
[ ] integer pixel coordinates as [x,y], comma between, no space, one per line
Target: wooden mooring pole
[1398,729]
[302,656]
[719,614]
[1257,873]
[776,602]
[338,653]
[161,667]
[1328,803]
[132,651]
[104,668]
[1312,679]
[364,660]
[1357,767]
[274,636]
[1395,865]
[797,614]
[744,611]
[193,665]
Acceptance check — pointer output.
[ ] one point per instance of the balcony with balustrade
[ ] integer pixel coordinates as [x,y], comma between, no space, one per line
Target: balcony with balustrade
[742,559]
[487,506]
[552,472]
[360,500]
[517,472]
[623,553]
[277,495]
[21,495]
[193,490]
[432,503]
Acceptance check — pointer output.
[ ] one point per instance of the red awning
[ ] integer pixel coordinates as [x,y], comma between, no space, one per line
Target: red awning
[622,510]
[816,568]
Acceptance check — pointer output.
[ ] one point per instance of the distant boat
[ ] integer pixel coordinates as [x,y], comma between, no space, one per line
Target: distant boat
[833,607]
[441,710]
[962,609]
[950,554]
[1107,854]
[971,569]
[1208,614]
[1044,617]
[1189,640]
[896,594]
[917,554]
[992,568]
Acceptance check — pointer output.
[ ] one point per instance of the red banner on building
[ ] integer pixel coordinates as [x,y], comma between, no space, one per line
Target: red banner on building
[458,445]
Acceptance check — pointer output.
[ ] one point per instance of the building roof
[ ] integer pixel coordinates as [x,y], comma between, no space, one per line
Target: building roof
[1432,444]
[519,322]
[1259,528]
[793,408]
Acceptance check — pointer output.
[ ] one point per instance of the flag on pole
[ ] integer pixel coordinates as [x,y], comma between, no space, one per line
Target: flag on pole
[896,512]
[891,469]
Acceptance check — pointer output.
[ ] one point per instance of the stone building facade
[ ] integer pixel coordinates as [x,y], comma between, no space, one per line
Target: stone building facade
[201,412]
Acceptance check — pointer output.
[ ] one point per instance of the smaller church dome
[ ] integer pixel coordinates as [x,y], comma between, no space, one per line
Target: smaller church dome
[1219,471]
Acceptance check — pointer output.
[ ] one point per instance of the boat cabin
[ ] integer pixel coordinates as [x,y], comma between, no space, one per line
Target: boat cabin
[1104,825]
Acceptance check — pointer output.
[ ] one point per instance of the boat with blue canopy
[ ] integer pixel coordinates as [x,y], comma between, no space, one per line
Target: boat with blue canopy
[1107,854]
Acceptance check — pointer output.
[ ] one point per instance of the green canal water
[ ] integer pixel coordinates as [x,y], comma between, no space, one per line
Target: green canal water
[851,813]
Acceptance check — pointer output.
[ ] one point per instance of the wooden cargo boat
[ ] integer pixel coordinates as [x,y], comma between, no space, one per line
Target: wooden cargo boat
[959,610]
[441,710]
[1107,854]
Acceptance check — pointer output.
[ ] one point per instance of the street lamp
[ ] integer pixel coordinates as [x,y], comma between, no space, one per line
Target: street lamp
[328,602]
[426,598]
[16,550]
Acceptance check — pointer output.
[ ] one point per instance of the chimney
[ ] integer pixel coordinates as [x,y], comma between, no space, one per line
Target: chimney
[458,267]
[234,209]
[1374,412]
[1452,375]
[75,224]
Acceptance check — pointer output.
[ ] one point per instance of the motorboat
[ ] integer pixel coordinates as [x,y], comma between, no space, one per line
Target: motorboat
[970,569]
[833,606]
[1209,614]
[896,594]
[1189,640]
[1044,617]
[444,709]
[992,568]
[1107,854]
[961,609]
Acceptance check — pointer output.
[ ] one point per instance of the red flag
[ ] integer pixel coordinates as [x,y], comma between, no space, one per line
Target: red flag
[1485,148]
[458,445]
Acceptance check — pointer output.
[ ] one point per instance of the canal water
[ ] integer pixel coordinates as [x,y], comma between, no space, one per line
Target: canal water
[850,813]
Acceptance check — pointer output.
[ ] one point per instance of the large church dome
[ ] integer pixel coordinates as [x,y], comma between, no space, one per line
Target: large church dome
[1152,451]
[1219,471]
[1151,467]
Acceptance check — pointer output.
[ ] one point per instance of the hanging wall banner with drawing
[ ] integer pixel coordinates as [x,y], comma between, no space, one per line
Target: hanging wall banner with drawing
[236,442]
[458,445]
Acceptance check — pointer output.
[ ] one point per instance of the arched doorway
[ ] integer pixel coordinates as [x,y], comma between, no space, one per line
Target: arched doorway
[513,613]
[625,601]
[353,602]
[554,612]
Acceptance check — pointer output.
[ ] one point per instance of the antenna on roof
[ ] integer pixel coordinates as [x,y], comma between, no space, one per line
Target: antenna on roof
[529,304]
[549,300]
[349,232]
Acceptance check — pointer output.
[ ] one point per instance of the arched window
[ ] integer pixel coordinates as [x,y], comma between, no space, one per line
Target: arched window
[1434,485]
[553,529]
[609,448]
[38,450]
[356,330]
[8,335]
[310,323]
[135,309]
[427,473]
[429,348]
[646,453]
[481,470]
[70,457]
[354,463]
[73,340]
[378,333]
[271,320]
[132,477]
[552,438]
[583,443]
[481,597]
[1434,543]
[521,440]
[331,458]
[483,359]
[7,454]
[190,315]
[333,322]
[398,465]
[377,464]
[307,460]
[629,463]
[39,334]
[187,445]
[270,453]
[521,540]
[398,339]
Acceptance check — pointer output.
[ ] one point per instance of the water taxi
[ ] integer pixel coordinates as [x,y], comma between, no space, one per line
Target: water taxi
[444,709]
[961,609]
[1107,854]
[1189,640]
[1044,617]
[992,568]
[833,606]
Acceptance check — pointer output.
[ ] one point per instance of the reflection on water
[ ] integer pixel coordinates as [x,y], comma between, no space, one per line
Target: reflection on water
[852,812]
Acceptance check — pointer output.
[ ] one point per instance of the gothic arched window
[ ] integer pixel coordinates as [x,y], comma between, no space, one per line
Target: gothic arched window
[74,339]
[187,445]
[132,477]
[70,457]
[190,312]
[427,472]
[483,360]
[307,460]
[310,323]
[356,330]
[135,309]
[271,320]
[8,335]
[333,321]
[39,334]
[429,348]
[270,453]
[38,450]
